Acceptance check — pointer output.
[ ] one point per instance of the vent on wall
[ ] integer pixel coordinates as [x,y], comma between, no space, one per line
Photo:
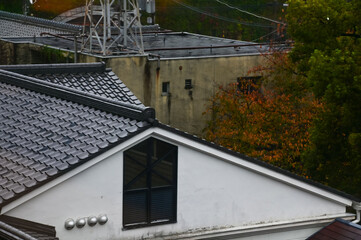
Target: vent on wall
[188,84]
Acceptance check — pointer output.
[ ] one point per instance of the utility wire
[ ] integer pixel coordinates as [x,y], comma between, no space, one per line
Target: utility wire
[265,35]
[221,17]
[255,15]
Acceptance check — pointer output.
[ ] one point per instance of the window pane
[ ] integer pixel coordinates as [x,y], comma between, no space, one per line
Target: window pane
[134,207]
[135,164]
[162,205]
[161,149]
[162,174]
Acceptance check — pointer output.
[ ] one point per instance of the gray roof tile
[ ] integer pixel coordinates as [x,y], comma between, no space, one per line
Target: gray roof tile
[44,133]
[17,25]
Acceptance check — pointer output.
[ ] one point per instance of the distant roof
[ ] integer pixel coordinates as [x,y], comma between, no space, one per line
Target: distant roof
[20,229]
[92,78]
[17,25]
[157,42]
[47,129]
[338,230]
[181,45]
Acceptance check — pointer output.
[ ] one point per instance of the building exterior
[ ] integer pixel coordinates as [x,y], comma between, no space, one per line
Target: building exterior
[95,166]
[339,230]
[178,73]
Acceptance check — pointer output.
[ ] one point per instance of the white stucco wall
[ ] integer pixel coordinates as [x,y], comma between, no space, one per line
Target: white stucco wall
[213,194]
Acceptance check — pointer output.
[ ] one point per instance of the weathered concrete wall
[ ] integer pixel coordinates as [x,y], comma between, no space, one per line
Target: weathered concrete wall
[27,53]
[7,53]
[181,108]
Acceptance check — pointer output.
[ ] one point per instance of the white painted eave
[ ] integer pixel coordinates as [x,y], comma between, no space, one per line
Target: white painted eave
[257,228]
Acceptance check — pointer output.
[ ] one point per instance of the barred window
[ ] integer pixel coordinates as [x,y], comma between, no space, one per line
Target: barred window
[150,184]
[247,85]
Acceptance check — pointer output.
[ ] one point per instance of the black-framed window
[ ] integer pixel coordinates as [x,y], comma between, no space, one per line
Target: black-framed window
[150,184]
[165,88]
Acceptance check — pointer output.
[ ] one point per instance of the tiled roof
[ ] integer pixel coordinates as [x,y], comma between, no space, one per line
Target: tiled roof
[47,129]
[25,230]
[338,230]
[17,25]
[93,78]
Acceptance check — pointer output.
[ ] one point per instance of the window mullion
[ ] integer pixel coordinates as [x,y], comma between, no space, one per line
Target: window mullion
[175,183]
[149,178]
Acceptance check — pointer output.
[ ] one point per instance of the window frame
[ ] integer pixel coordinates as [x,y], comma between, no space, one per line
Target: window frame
[150,189]
[245,85]
[165,88]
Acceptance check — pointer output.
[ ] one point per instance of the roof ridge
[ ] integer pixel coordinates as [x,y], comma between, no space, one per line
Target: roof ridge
[56,68]
[40,21]
[102,103]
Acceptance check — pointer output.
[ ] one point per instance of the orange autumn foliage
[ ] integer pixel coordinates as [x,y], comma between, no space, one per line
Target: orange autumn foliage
[270,123]
[55,7]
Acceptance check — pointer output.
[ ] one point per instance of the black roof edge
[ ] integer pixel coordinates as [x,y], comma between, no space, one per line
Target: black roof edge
[10,232]
[41,21]
[56,68]
[70,94]
[259,162]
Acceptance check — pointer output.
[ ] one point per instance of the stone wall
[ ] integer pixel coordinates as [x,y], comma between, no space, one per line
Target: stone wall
[182,106]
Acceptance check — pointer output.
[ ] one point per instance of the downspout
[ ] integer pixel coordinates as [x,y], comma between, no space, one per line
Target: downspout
[357,207]
[75,49]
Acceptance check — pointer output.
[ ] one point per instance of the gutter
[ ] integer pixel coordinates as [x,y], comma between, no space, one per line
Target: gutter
[255,230]
[357,207]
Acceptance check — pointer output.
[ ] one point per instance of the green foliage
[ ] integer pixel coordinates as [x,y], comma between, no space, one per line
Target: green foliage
[177,17]
[48,54]
[316,24]
[11,6]
[328,50]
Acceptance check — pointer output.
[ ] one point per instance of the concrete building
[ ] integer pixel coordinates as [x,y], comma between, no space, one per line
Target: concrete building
[177,75]
[78,163]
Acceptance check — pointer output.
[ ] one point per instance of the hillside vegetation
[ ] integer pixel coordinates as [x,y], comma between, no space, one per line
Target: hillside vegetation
[222,18]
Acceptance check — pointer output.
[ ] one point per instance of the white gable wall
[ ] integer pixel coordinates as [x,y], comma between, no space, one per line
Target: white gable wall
[247,197]
[213,195]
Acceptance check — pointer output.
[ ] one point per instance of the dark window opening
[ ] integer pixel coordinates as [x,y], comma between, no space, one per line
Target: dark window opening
[188,84]
[150,184]
[165,88]
[247,85]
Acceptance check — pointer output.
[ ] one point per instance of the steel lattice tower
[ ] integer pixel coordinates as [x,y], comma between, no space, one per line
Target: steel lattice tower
[112,27]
